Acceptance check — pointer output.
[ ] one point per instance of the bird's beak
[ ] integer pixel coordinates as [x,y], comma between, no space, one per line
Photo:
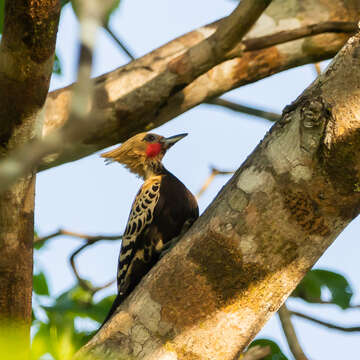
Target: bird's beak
[170,141]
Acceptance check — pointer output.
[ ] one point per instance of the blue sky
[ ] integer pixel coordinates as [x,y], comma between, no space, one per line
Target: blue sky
[87,196]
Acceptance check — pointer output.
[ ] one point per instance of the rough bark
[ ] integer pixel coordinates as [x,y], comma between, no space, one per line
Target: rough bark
[287,203]
[136,97]
[26,56]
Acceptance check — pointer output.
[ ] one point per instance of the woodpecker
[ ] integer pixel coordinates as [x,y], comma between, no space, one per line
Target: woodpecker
[162,210]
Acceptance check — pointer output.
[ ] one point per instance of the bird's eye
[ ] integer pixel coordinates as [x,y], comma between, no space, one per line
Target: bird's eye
[149,137]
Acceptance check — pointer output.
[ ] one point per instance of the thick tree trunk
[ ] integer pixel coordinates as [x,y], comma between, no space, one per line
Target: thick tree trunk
[277,215]
[139,96]
[26,56]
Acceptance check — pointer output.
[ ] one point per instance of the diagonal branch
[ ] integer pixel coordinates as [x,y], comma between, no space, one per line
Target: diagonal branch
[214,172]
[245,109]
[92,238]
[120,43]
[212,51]
[252,246]
[326,323]
[290,334]
[28,156]
[138,97]
[179,72]
[291,35]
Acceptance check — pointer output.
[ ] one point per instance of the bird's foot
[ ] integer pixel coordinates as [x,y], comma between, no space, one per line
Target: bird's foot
[169,245]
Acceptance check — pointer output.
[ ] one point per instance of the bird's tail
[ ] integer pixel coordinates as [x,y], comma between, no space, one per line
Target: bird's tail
[118,300]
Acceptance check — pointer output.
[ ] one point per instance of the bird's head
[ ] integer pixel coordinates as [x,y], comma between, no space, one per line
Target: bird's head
[142,153]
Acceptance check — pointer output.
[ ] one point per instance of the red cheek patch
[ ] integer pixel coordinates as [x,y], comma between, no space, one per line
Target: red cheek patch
[153,149]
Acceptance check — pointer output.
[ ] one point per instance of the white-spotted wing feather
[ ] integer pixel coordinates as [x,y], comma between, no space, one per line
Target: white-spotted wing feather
[141,214]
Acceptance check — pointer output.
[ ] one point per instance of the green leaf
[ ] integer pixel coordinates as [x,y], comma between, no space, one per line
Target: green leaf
[2,14]
[33,317]
[57,65]
[315,281]
[39,244]
[78,302]
[276,353]
[64,2]
[99,310]
[40,286]
[309,289]
[72,303]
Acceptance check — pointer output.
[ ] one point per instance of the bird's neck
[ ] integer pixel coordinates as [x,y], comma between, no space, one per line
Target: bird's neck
[154,168]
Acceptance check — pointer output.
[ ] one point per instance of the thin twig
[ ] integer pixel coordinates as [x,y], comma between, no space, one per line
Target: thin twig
[256,352]
[90,238]
[263,42]
[86,285]
[245,109]
[317,68]
[325,302]
[213,50]
[119,42]
[214,172]
[325,323]
[290,334]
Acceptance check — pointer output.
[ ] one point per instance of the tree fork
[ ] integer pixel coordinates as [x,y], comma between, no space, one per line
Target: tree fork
[268,226]
[125,104]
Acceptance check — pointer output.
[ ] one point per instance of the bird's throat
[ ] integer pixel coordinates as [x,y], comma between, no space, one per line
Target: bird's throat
[153,150]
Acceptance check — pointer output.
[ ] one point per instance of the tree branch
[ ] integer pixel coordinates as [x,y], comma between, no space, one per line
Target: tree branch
[28,156]
[250,67]
[302,32]
[214,172]
[119,42]
[138,97]
[290,334]
[212,51]
[325,323]
[263,232]
[317,68]
[86,285]
[195,61]
[92,238]
[245,109]
[256,352]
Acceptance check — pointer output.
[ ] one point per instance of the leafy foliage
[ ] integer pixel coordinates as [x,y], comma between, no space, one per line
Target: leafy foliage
[276,353]
[58,336]
[316,281]
[40,286]
[54,318]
